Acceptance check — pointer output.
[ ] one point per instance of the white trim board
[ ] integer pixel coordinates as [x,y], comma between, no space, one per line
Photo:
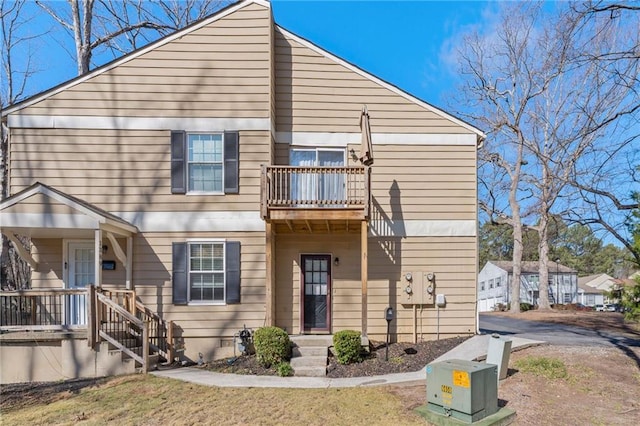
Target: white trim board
[193,124]
[423,228]
[48,220]
[343,139]
[222,221]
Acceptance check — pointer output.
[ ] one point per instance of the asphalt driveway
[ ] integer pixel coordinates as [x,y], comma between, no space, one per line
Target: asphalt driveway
[554,334]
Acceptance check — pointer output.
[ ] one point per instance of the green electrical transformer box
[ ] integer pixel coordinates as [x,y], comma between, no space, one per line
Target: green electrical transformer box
[465,390]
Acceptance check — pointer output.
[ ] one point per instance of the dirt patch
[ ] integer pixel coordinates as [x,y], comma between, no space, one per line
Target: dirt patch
[601,388]
[16,396]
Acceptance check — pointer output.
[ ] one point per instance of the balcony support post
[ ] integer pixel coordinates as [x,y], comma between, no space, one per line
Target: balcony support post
[364,270]
[270,275]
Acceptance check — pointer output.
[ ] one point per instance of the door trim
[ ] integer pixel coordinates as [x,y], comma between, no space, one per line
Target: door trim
[327,330]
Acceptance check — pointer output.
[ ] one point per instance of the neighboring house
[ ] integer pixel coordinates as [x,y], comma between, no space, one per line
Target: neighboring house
[608,285]
[219,177]
[589,296]
[496,277]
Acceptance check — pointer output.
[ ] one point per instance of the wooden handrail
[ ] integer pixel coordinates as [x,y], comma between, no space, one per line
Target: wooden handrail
[314,187]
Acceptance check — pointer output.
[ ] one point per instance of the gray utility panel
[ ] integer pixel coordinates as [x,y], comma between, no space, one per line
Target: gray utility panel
[464,390]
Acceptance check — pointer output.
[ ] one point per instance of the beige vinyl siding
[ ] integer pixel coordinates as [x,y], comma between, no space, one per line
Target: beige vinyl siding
[220,70]
[317,94]
[49,253]
[423,182]
[126,170]
[452,259]
[152,280]
[40,203]
[346,283]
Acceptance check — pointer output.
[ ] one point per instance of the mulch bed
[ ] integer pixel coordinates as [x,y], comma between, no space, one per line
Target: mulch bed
[402,358]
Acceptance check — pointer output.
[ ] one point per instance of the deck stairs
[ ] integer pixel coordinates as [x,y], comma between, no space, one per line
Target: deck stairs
[115,358]
[310,355]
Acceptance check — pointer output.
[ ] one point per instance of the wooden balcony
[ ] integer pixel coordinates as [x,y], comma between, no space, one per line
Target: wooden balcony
[319,194]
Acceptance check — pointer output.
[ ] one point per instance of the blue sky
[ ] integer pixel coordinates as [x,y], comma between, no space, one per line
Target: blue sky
[402,42]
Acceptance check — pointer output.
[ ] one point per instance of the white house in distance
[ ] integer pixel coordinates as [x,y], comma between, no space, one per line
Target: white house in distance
[495,280]
[598,284]
[589,296]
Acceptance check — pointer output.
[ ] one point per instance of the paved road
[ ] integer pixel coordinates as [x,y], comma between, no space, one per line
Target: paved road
[554,334]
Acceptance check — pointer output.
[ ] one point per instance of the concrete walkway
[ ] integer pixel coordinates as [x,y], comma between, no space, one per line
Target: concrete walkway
[471,350]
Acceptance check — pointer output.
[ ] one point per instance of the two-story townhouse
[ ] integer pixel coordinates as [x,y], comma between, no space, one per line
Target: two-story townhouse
[496,278]
[222,177]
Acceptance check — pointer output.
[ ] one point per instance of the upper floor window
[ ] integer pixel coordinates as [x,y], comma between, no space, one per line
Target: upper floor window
[491,283]
[482,286]
[498,281]
[205,162]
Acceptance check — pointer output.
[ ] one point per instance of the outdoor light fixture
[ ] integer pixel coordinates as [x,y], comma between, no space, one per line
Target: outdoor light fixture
[336,261]
[104,249]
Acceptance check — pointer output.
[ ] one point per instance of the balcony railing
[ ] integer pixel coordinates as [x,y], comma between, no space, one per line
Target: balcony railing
[294,187]
[50,309]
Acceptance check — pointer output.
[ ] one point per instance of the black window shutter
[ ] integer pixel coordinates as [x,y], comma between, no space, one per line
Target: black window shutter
[232,269]
[231,157]
[178,157]
[179,273]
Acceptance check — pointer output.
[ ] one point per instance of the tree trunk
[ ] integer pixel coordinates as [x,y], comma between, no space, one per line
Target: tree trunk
[543,250]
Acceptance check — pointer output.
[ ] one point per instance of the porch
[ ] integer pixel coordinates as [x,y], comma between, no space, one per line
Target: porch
[90,331]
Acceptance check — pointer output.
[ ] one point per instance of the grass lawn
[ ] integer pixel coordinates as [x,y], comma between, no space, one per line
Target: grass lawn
[142,400]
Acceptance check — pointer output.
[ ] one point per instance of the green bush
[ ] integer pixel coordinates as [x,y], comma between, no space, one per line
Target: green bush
[348,346]
[272,345]
[284,369]
[524,307]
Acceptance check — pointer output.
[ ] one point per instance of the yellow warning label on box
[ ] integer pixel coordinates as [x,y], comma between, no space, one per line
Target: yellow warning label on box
[461,378]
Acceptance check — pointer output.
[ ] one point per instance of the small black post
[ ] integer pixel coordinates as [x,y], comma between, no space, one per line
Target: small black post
[389,317]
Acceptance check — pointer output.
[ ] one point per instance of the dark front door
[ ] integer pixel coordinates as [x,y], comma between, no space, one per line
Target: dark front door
[316,288]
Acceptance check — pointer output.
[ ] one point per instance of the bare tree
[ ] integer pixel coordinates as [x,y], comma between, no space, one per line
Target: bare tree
[18,65]
[606,182]
[546,108]
[502,83]
[122,25]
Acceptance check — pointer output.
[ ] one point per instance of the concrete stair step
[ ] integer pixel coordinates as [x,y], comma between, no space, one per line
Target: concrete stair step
[301,351]
[312,340]
[309,361]
[310,371]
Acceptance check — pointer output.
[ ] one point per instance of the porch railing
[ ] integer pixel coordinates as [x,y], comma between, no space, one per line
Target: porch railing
[314,187]
[44,309]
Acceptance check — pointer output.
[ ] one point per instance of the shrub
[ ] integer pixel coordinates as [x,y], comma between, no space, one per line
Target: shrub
[272,345]
[524,307]
[348,346]
[284,369]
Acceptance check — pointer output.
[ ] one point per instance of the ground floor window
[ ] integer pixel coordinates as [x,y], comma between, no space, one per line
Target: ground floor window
[567,297]
[206,272]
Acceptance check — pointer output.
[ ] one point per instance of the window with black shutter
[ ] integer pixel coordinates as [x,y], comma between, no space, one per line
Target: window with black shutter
[205,163]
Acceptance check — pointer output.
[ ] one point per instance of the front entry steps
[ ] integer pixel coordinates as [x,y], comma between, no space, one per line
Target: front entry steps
[309,355]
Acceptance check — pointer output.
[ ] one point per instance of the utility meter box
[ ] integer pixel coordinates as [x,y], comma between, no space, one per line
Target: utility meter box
[464,390]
